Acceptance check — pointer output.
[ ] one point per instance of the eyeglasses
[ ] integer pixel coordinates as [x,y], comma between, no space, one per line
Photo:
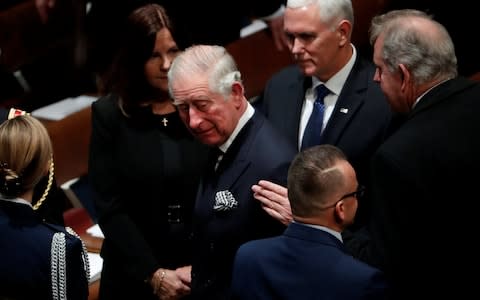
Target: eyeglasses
[357,194]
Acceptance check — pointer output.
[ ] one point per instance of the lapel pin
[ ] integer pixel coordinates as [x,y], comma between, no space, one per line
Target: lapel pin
[344,110]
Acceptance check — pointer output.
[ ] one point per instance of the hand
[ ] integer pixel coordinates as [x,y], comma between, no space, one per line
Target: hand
[276,28]
[274,199]
[44,7]
[167,285]
[185,274]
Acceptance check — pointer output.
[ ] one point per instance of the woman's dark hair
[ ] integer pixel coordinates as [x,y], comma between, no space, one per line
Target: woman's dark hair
[126,76]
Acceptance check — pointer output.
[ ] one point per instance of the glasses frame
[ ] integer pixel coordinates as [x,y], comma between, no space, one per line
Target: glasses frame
[357,194]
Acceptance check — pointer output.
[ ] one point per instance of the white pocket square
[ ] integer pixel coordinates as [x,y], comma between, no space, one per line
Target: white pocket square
[224,201]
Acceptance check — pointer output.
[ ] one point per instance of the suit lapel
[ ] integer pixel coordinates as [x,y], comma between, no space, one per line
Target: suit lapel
[235,160]
[348,103]
[233,164]
[291,108]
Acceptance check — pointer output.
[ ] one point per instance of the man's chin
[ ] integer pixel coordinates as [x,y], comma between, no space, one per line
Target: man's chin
[308,71]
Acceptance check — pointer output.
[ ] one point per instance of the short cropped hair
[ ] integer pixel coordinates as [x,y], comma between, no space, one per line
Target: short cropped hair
[313,177]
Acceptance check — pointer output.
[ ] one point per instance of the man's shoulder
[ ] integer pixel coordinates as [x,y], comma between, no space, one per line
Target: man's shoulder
[258,246]
[289,73]
[269,138]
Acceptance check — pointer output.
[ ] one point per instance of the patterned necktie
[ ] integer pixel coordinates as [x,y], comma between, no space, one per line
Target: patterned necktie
[313,130]
[214,159]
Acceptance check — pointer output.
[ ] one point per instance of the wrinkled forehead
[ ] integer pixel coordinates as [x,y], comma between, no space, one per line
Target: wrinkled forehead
[189,87]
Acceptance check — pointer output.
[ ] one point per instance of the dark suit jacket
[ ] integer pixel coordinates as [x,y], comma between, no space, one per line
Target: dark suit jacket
[258,152]
[303,263]
[358,133]
[25,251]
[425,186]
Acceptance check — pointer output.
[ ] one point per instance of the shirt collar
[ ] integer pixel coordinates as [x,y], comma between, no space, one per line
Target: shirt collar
[337,81]
[16,200]
[421,96]
[247,115]
[336,234]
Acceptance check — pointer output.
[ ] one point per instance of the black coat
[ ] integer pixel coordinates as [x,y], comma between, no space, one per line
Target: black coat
[425,189]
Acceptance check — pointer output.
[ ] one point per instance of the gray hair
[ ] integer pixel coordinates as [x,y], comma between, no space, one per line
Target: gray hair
[331,11]
[212,60]
[427,52]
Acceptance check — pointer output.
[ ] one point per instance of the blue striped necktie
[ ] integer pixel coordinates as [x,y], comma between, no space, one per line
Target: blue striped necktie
[313,130]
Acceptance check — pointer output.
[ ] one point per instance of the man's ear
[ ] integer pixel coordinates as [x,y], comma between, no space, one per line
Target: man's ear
[237,89]
[339,212]
[404,75]
[237,93]
[344,30]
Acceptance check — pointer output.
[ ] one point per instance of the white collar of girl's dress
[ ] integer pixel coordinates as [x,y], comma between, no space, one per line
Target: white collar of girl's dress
[16,200]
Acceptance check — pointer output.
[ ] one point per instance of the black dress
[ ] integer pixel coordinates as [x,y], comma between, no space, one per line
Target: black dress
[145,171]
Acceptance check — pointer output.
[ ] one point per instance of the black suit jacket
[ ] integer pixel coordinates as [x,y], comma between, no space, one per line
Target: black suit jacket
[358,132]
[258,152]
[425,189]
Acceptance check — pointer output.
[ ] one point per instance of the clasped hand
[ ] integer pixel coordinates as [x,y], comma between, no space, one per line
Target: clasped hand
[171,284]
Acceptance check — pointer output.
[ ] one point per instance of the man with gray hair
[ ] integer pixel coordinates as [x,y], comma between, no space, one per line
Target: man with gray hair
[207,89]
[423,187]
[352,114]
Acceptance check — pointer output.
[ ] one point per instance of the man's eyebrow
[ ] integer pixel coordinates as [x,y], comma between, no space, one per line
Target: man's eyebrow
[191,100]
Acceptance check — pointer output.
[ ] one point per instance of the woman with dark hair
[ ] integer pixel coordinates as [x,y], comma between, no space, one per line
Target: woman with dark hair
[145,168]
[39,260]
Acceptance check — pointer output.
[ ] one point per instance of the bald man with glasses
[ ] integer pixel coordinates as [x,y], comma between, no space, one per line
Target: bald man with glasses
[309,259]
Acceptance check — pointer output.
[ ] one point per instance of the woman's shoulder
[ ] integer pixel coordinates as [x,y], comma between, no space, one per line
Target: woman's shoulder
[106,102]
[106,110]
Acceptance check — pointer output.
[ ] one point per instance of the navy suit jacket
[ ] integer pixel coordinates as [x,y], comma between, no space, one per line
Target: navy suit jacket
[358,132]
[258,152]
[25,251]
[303,263]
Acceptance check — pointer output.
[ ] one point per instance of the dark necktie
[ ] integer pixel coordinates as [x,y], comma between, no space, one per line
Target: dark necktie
[214,158]
[313,130]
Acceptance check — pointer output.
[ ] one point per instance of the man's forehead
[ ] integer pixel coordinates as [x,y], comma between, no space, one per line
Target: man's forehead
[196,93]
